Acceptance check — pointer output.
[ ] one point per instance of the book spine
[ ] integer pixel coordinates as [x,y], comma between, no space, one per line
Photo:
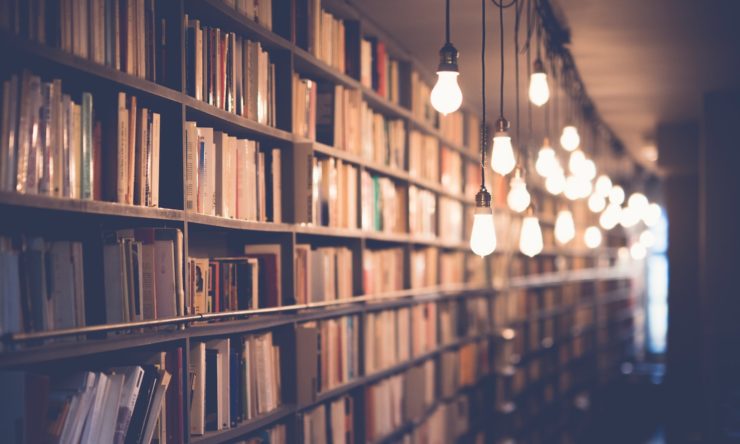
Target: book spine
[87,148]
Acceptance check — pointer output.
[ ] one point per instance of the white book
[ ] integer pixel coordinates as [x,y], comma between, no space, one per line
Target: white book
[156,405]
[83,384]
[251,175]
[110,408]
[191,172]
[197,368]
[164,281]
[155,159]
[62,288]
[222,168]
[133,377]
[93,423]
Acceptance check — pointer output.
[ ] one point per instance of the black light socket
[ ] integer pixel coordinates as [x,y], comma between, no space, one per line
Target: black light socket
[448,58]
[502,125]
[483,198]
[539,67]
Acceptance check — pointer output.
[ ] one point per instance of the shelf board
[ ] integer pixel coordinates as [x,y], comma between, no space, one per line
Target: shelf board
[244,428]
[88,206]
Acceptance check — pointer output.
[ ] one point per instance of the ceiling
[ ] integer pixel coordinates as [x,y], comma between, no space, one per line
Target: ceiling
[643,62]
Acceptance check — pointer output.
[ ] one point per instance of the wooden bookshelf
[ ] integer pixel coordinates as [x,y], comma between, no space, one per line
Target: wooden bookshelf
[83,219]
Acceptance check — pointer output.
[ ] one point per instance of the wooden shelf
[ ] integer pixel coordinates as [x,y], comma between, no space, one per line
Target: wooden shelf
[245,428]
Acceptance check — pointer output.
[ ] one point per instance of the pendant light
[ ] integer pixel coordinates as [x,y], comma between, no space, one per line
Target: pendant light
[502,157]
[539,91]
[603,185]
[518,198]
[483,235]
[592,237]
[530,236]
[565,229]
[555,182]
[616,195]
[652,215]
[545,164]
[446,96]
[609,218]
[596,202]
[639,202]
[569,139]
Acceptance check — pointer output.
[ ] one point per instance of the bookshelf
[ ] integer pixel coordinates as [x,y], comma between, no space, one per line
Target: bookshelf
[504,357]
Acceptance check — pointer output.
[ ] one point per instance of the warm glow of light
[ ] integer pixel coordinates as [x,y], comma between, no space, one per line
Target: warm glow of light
[518,197]
[546,162]
[647,238]
[603,185]
[539,91]
[555,182]
[629,217]
[592,237]
[575,162]
[565,229]
[616,195]
[596,203]
[530,238]
[502,157]
[638,251]
[588,170]
[572,189]
[446,95]
[483,235]
[639,202]
[570,139]
[610,217]
[651,215]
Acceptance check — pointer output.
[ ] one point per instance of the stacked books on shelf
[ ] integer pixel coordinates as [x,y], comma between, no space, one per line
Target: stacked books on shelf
[230,177]
[328,351]
[422,212]
[143,270]
[129,404]
[382,270]
[50,145]
[383,139]
[423,156]
[277,434]
[471,134]
[236,283]
[43,285]
[233,380]
[258,10]
[384,407]
[229,72]
[326,36]
[378,71]
[424,267]
[127,35]
[421,107]
[386,339]
[419,389]
[332,422]
[334,193]
[452,267]
[383,204]
[451,171]
[451,127]
[322,274]
[424,328]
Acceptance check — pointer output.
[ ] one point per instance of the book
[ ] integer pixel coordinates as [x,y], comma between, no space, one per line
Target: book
[269,257]
[382,271]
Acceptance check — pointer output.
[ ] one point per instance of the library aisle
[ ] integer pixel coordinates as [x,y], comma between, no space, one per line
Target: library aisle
[301,221]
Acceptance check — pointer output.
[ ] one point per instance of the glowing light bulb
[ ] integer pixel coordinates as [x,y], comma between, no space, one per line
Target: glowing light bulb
[530,238]
[575,162]
[651,215]
[546,161]
[584,187]
[647,239]
[592,237]
[596,203]
[616,195]
[638,251]
[603,185]
[518,197]
[588,169]
[539,91]
[623,253]
[610,217]
[570,139]
[565,229]
[629,217]
[483,235]
[555,182]
[502,157]
[446,95]
[639,202]
[572,190]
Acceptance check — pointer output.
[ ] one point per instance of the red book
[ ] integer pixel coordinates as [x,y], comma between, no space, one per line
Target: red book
[382,60]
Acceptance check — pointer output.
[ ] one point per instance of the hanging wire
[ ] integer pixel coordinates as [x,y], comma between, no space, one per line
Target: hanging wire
[530,136]
[501,29]
[447,21]
[517,11]
[483,96]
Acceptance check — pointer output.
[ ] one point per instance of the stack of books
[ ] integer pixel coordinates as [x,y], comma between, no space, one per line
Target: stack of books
[382,271]
[323,274]
[386,339]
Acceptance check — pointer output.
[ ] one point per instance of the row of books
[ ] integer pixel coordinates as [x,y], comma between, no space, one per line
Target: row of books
[143,270]
[386,339]
[43,285]
[230,177]
[424,267]
[464,318]
[233,380]
[383,139]
[128,404]
[451,164]
[383,204]
[328,351]
[424,156]
[448,422]
[224,284]
[258,10]
[326,36]
[334,193]
[127,35]
[229,72]
[452,268]
[382,271]
[422,212]
[332,422]
[323,274]
[378,71]
[421,107]
[424,328]
[452,127]
[50,144]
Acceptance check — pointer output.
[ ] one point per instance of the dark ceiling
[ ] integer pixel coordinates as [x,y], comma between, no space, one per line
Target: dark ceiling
[643,61]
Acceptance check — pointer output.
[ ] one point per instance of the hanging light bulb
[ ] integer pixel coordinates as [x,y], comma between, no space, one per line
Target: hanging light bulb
[603,185]
[584,187]
[639,202]
[588,169]
[570,139]
[546,162]
[575,162]
[530,237]
[610,217]
[565,229]
[592,237]
[647,239]
[502,157]
[616,195]
[446,96]
[555,182]
[629,217]
[518,197]
[638,251]
[539,91]
[596,203]
[572,190]
[651,215]
[483,235]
